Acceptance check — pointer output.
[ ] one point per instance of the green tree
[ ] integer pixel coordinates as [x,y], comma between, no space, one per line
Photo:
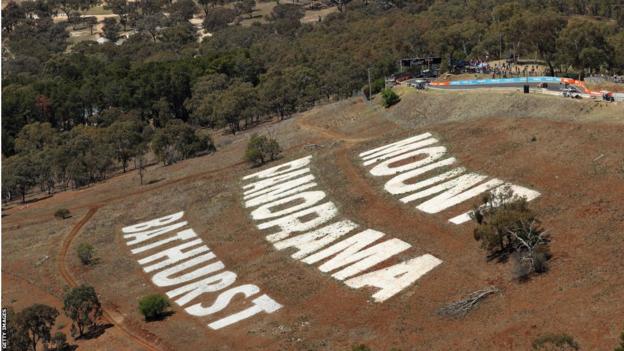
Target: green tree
[82,306]
[389,97]
[261,149]
[59,340]
[125,136]
[218,18]
[153,306]
[205,95]
[21,174]
[245,7]
[86,253]
[17,336]
[37,321]
[182,10]
[178,141]
[111,29]
[238,102]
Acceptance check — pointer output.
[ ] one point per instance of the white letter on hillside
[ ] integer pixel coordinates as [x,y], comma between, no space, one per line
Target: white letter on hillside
[281,169]
[312,241]
[309,198]
[432,154]
[292,223]
[384,154]
[261,304]
[222,301]
[213,283]
[395,278]
[153,223]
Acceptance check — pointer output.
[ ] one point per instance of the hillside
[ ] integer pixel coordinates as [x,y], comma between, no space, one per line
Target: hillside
[571,152]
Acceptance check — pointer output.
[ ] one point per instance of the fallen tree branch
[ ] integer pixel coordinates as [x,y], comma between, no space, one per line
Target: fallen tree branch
[460,308]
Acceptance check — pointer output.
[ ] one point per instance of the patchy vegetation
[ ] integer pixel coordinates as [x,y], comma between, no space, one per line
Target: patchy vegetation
[555,342]
[62,213]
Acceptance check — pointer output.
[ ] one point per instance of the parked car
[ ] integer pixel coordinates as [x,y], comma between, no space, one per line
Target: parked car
[607,96]
[571,93]
[419,84]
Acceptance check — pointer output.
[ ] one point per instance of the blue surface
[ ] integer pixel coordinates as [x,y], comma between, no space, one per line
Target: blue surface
[506,81]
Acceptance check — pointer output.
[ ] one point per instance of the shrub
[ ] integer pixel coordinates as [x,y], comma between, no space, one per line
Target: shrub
[86,253]
[153,306]
[62,213]
[553,342]
[360,347]
[389,97]
[261,149]
[376,86]
[507,227]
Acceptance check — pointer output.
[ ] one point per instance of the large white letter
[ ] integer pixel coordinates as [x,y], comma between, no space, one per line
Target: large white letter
[432,154]
[147,235]
[455,195]
[261,304]
[181,235]
[349,251]
[397,185]
[390,152]
[521,191]
[309,198]
[213,283]
[279,191]
[173,255]
[292,223]
[395,278]
[309,242]
[257,187]
[368,154]
[153,223]
[223,300]
[164,277]
[281,169]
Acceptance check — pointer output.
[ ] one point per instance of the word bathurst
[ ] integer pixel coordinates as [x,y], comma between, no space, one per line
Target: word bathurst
[450,187]
[285,203]
[169,264]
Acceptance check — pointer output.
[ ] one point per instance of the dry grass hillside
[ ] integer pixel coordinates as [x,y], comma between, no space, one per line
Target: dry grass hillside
[572,152]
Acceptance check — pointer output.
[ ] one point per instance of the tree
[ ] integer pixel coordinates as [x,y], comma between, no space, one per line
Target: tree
[67,6]
[82,306]
[21,174]
[287,12]
[59,340]
[182,10]
[122,8]
[218,18]
[86,253]
[238,102]
[205,95]
[35,137]
[544,28]
[506,226]
[178,141]
[389,97]
[152,24]
[17,336]
[261,149]
[153,306]
[12,14]
[583,44]
[62,213]
[245,7]
[37,321]
[111,29]
[125,136]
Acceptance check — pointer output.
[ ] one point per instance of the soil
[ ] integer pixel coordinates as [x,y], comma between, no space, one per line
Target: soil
[572,152]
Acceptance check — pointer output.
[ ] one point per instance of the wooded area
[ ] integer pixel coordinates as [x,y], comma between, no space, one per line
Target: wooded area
[74,114]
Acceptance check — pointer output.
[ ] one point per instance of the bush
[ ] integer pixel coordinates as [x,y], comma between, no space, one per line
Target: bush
[153,306]
[553,342]
[621,346]
[376,86]
[261,149]
[86,253]
[62,213]
[389,97]
[507,227]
